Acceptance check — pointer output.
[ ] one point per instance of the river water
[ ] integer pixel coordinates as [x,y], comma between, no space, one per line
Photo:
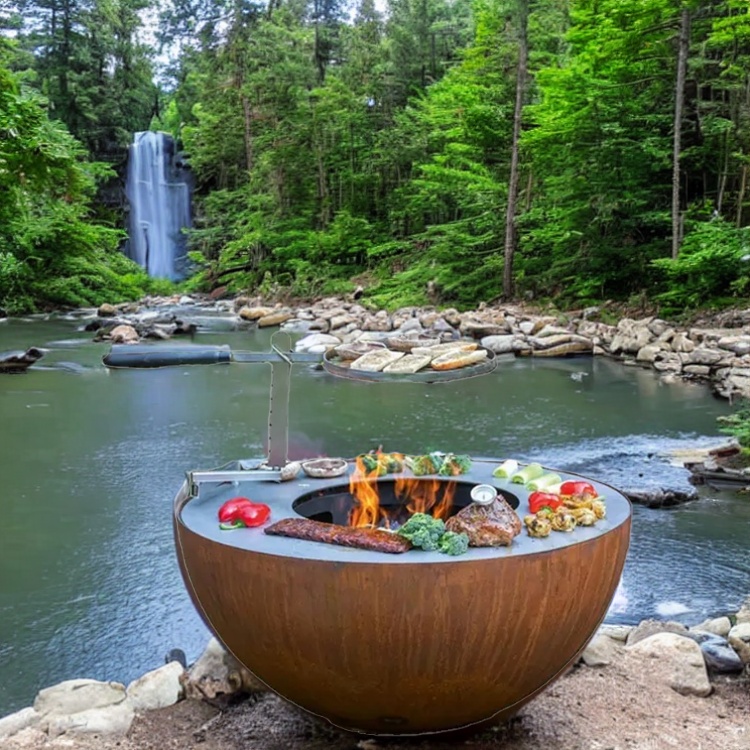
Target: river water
[91,460]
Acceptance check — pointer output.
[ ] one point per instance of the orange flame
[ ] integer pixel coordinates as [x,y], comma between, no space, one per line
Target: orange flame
[418,495]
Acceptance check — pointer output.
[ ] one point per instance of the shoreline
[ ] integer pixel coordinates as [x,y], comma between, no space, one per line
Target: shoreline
[697,680]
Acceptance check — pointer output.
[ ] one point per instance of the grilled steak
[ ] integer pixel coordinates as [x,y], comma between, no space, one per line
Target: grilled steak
[492,525]
[377,540]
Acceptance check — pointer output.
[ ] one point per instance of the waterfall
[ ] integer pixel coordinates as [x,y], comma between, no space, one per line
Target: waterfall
[158,190]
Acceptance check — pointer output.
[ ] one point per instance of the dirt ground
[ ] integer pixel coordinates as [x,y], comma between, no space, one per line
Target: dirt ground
[618,707]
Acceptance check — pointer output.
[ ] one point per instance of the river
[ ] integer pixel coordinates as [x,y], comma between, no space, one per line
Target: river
[91,460]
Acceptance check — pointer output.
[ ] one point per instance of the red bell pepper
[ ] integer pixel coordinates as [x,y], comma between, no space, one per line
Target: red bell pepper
[240,513]
[539,500]
[578,489]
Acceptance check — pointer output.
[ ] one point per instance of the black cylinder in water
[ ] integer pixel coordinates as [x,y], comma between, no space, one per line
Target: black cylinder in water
[130,355]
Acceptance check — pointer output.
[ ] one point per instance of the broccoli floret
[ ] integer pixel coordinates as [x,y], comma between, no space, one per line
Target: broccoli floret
[453,544]
[421,465]
[424,531]
[453,465]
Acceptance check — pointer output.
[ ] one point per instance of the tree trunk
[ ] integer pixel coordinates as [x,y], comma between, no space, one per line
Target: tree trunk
[510,217]
[679,98]
[248,117]
[741,196]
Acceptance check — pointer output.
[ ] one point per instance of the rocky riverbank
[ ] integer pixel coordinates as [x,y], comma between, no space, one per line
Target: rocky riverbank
[716,351]
[652,686]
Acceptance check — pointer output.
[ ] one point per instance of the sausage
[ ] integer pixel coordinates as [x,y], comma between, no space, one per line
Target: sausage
[377,540]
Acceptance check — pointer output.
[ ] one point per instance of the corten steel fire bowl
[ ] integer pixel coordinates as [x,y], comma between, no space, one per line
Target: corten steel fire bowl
[407,643]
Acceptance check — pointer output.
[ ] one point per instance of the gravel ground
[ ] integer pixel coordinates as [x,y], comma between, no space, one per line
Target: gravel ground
[619,707]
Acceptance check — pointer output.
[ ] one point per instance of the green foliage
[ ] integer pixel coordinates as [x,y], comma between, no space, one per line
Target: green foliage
[713,262]
[737,424]
[51,253]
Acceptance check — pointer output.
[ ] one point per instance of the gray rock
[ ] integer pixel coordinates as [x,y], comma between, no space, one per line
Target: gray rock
[498,344]
[112,721]
[736,344]
[717,625]
[72,696]
[741,631]
[617,632]
[217,673]
[601,651]
[743,615]
[682,343]
[317,339]
[19,361]
[647,628]
[702,355]
[649,353]
[159,688]
[676,660]
[721,658]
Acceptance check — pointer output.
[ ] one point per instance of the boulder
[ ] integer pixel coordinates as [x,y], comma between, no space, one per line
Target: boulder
[380,322]
[737,344]
[647,628]
[217,673]
[601,651]
[254,313]
[631,336]
[743,615]
[649,353]
[315,340]
[720,657]
[275,318]
[73,696]
[499,344]
[106,310]
[675,660]
[19,361]
[113,721]
[717,625]
[159,688]
[124,334]
[616,632]
[564,350]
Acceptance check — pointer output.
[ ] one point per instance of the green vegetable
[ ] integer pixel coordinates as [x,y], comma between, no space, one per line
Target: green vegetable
[506,469]
[529,472]
[453,544]
[421,465]
[453,465]
[544,482]
[422,530]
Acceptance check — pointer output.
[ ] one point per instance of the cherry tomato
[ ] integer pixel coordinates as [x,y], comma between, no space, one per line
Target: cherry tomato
[578,489]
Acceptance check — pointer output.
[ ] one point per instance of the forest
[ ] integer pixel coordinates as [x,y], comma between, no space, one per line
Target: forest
[441,152]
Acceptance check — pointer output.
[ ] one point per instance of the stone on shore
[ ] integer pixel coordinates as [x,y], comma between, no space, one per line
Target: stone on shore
[217,673]
[718,626]
[675,660]
[601,651]
[647,628]
[113,721]
[159,688]
[84,707]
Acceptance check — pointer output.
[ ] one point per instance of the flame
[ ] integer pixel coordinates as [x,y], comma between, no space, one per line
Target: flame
[422,495]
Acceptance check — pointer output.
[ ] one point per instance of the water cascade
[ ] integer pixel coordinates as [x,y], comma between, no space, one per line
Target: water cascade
[158,190]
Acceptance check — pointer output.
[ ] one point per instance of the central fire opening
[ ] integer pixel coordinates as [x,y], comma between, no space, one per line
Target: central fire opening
[388,503]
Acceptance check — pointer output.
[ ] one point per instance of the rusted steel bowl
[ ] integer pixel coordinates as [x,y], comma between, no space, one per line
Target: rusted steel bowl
[399,644]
